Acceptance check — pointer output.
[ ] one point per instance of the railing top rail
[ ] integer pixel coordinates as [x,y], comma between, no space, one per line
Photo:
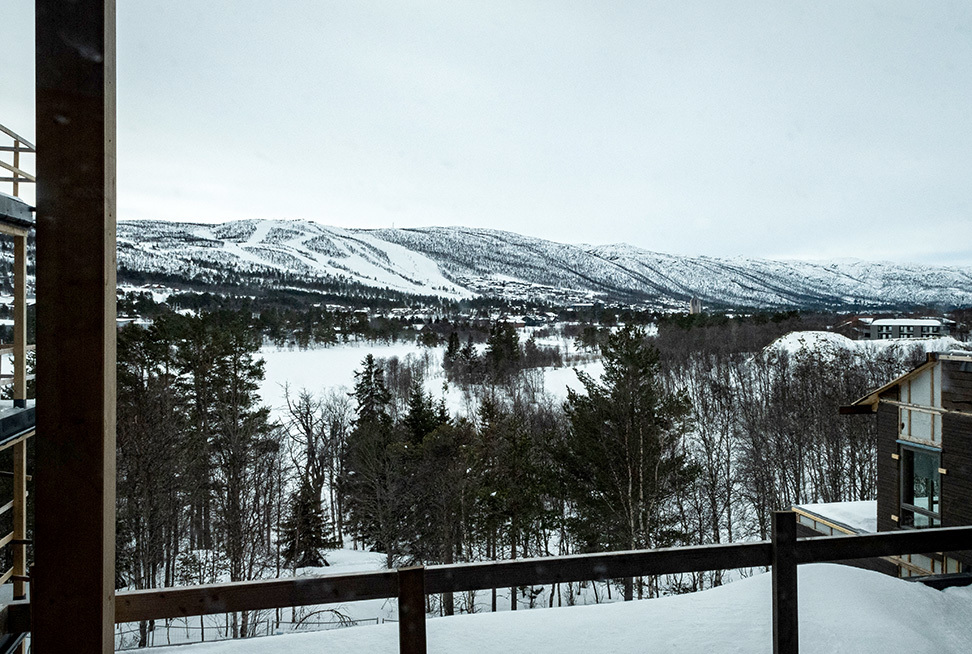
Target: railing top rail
[822,549]
[132,606]
[17,137]
[603,565]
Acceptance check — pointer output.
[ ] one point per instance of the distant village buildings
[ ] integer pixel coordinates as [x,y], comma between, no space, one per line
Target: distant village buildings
[885,328]
[695,306]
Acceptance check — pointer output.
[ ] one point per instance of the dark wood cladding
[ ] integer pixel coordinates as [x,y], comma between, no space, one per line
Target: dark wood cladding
[887,467]
[957,386]
[957,481]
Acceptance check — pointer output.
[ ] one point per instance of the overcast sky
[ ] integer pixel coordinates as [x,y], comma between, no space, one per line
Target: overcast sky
[772,129]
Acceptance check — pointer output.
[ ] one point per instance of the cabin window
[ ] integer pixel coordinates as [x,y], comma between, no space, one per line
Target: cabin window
[921,488]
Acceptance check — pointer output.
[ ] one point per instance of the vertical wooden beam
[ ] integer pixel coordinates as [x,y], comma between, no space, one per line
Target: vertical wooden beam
[411,610]
[16,164]
[785,616]
[72,594]
[20,400]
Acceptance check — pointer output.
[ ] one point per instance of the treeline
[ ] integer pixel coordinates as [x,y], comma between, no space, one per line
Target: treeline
[519,478]
[662,449]
[202,473]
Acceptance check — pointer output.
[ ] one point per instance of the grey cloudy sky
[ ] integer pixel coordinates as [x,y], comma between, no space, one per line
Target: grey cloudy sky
[773,129]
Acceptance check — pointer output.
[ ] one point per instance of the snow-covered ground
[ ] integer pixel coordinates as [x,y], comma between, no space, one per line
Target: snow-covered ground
[842,609]
[320,369]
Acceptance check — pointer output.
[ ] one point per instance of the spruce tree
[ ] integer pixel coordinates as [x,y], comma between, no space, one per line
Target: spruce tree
[373,485]
[303,532]
[623,453]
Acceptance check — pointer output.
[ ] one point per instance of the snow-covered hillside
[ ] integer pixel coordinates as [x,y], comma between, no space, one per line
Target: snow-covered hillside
[459,262]
[263,248]
[842,609]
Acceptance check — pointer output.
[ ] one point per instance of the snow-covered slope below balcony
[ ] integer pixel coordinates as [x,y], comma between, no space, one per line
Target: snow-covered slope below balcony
[274,248]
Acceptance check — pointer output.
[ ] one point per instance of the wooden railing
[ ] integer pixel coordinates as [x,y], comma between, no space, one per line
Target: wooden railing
[410,585]
[17,175]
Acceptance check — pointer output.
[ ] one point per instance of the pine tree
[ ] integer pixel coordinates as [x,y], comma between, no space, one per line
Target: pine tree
[373,485]
[623,454]
[303,532]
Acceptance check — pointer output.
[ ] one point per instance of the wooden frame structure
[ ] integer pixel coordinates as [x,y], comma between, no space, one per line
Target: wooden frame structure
[16,223]
[12,171]
[73,578]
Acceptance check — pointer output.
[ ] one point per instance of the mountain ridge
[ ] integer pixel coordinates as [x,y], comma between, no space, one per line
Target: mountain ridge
[463,262]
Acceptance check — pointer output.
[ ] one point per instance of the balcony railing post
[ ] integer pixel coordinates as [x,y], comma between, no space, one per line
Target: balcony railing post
[16,164]
[785,613]
[411,610]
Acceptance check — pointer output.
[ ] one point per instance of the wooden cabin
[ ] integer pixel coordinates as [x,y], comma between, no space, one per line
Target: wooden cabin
[924,455]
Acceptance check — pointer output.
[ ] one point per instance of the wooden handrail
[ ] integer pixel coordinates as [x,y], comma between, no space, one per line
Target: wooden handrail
[17,137]
[17,171]
[133,606]
[20,146]
[823,549]
[583,567]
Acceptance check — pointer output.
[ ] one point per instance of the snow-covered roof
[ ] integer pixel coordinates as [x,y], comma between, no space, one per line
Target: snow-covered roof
[859,517]
[909,322]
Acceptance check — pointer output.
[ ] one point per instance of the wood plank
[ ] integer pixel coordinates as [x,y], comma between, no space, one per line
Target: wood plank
[586,567]
[21,377]
[73,585]
[23,175]
[893,543]
[6,539]
[132,606]
[6,507]
[15,136]
[5,577]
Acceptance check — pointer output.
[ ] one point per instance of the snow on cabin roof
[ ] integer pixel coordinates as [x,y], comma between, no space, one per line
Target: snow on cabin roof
[859,517]
[909,322]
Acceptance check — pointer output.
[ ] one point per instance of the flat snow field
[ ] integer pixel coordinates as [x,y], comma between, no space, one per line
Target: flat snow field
[842,609]
[320,369]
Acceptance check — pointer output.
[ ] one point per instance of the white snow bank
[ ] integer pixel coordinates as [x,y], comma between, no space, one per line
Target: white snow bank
[817,340]
[861,516]
[842,609]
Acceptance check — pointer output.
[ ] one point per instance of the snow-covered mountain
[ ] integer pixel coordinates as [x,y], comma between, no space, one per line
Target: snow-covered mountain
[461,262]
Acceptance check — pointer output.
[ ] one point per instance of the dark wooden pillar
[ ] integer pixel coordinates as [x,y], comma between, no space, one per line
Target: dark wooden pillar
[411,610]
[72,594]
[786,638]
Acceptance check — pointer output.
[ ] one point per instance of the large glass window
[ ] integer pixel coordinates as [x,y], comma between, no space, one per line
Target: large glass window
[921,488]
